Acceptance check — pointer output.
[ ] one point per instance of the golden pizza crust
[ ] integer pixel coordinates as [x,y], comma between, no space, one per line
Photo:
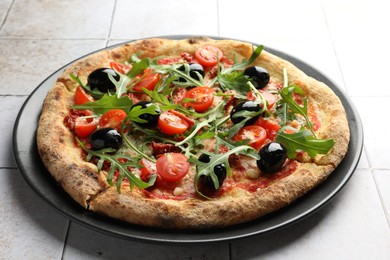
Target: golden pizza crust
[89,188]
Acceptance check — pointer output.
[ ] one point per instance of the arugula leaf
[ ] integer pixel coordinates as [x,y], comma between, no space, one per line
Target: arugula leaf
[287,98]
[107,103]
[138,67]
[244,63]
[303,140]
[115,164]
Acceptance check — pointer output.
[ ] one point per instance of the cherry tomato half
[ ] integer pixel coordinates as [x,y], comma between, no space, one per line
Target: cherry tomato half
[271,99]
[178,95]
[85,126]
[203,98]
[270,126]
[148,80]
[119,67]
[208,55]
[172,167]
[255,134]
[148,169]
[171,124]
[81,97]
[112,118]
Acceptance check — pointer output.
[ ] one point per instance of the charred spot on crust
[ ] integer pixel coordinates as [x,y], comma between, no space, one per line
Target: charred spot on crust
[116,55]
[195,40]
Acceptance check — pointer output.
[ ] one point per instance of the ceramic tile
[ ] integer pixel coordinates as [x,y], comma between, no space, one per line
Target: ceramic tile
[258,20]
[357,19]
[344,229]
[364,64]
[382,179]
[24,64]
[319,54]
[4,7]
[138,19]
[30,229]
[9,112]
[81,246]
[375,129]
[59,19]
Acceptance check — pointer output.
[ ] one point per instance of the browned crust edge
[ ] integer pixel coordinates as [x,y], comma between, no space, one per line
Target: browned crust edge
[88,188]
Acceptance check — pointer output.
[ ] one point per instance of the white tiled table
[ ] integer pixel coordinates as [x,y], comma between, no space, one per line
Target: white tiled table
[347,40]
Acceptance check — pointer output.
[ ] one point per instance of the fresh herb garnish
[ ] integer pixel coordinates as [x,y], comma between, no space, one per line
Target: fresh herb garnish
[303,140]
[107,103]
[118,162]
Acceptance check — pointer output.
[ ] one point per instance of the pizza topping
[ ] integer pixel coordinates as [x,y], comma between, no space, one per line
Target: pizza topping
[145,113]
[258,76]
[195,70]
[81,97]
[172,167]
[255,135]
[84,126]
[105,138]
[208,55]
[201,98]
[100,79]
[272,157]
[219,171]
[148,80]
[112,118]
[172,124]
[247,111]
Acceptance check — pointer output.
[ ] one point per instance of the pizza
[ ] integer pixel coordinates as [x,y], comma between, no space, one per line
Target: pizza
[194,133]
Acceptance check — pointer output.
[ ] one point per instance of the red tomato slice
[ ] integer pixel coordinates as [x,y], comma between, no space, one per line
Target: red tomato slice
[85,126]
[255,134]
[203,98]
[148,169]
[172,167]
[271,99]
[171,124]
[148,80]
[208,55]
[178,95]
[190,121]
[81,97]
[270,126]
[112,118]
[119,67]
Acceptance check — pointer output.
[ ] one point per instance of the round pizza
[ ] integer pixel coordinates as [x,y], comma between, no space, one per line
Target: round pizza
[195,133]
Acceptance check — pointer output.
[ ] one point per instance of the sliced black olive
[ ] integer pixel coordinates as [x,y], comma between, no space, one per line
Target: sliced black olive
[194,69]
[247,105]
[105,138]
[259,76]
[99,79]
[219,170]
[272,157]
[151,119]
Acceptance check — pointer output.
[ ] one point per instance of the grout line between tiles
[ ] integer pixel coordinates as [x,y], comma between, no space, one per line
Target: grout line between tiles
[387,216]
[6,15]
[112,21]
[66,240]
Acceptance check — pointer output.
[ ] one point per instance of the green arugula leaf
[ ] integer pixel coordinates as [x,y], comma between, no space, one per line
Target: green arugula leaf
[107,103]
[303,140]
[115,164]
[287,98]
[138,67]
